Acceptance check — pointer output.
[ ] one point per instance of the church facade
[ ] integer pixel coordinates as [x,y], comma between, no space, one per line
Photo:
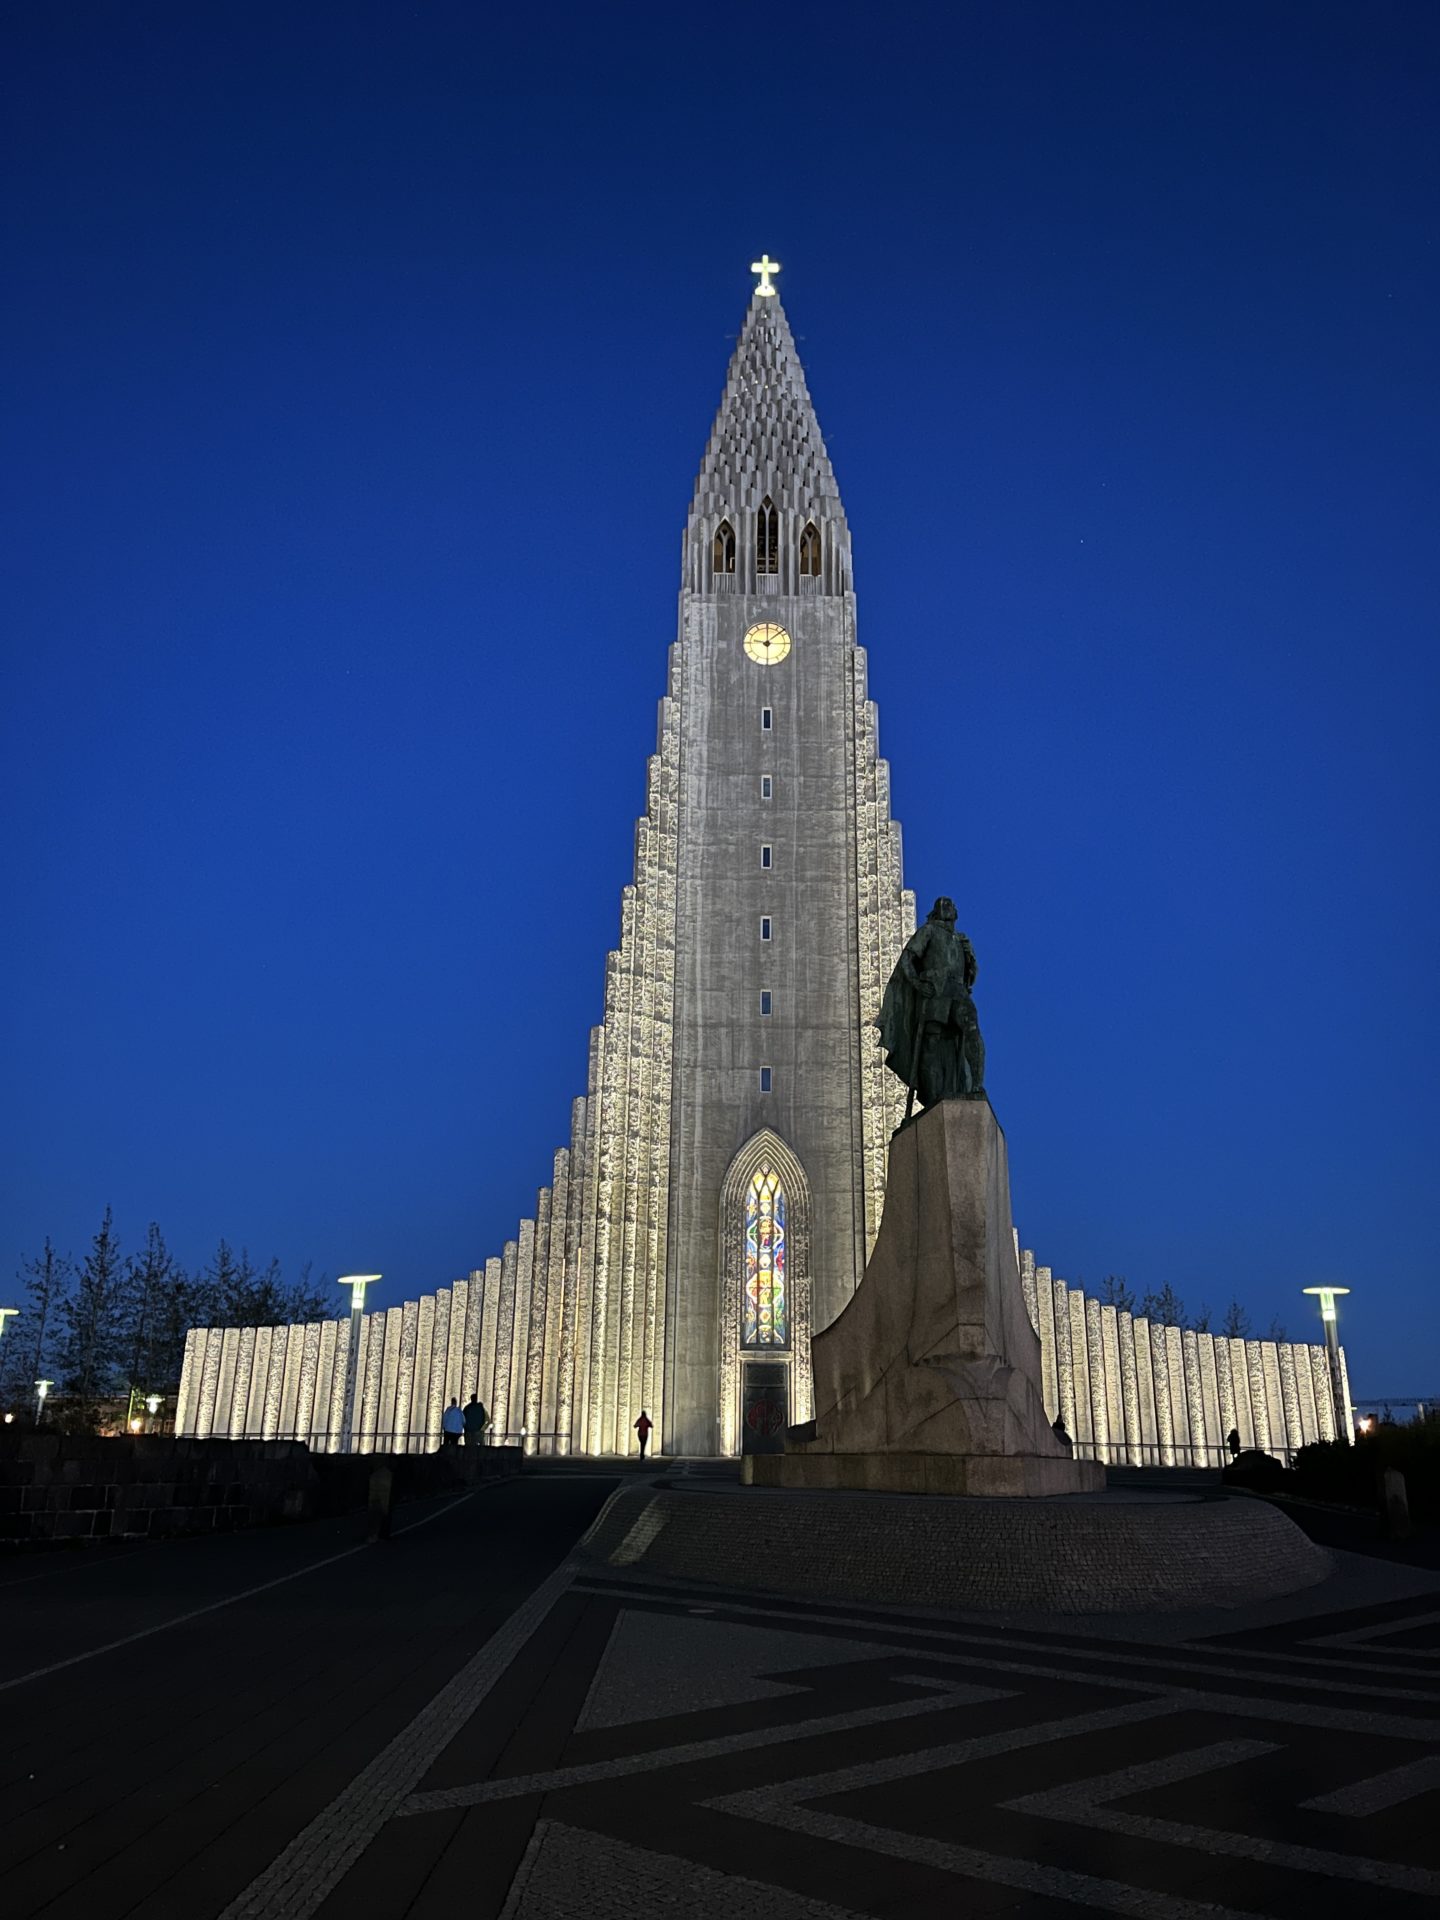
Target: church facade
[724,1175]
[723,1180]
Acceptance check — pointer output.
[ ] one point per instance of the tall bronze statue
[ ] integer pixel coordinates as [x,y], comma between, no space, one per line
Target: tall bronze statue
[928,1024]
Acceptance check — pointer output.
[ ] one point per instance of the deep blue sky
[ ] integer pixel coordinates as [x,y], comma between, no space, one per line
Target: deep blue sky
[359,359]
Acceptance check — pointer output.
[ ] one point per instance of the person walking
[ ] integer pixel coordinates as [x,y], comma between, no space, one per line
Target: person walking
[452,1424]
[476,1421]
[642,1427]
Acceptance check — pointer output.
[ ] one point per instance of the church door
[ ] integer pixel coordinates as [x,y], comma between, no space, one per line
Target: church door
[764,1406]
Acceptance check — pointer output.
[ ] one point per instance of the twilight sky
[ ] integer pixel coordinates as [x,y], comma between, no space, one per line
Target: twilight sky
[359,359]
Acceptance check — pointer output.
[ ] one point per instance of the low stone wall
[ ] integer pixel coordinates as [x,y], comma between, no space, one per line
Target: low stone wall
[1106,1555]
[76,1487]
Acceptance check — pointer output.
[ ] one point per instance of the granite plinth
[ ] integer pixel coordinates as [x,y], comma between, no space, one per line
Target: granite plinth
[929,1381]
[1109,1553]
[1004,1476]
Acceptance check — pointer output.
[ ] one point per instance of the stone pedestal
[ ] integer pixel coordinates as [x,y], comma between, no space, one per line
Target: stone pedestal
[929,1381]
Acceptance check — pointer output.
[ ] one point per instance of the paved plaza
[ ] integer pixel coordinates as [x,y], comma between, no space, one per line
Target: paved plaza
[481,1719]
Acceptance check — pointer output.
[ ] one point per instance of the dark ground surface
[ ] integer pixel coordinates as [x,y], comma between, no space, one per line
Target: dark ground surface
[305,1725]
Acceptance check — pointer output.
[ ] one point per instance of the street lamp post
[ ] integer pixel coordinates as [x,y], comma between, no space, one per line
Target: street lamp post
[42,1389]
[357,1283]
[1329,1319]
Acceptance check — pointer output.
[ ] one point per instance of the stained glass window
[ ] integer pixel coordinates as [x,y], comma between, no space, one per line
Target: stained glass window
[765,1316]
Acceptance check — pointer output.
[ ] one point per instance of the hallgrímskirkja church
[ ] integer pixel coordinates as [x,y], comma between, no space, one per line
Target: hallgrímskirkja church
[725,1172]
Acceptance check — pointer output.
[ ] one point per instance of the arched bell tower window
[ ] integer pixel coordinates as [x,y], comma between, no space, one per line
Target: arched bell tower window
[767,538]
[764,1302]
[724,548]
[810,551]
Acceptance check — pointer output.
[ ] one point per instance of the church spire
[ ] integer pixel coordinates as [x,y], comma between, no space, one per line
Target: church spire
[766,503]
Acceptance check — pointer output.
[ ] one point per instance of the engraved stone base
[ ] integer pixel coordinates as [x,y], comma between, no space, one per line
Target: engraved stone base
[929,1381]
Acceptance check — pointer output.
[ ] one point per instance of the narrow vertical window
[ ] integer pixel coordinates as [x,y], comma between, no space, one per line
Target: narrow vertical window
[764,856]
[767,538]
[765,927]
[765,1304]
[724,548]
[810,551]
[767,787]
[765,719]
[765,1001]
[764,1079]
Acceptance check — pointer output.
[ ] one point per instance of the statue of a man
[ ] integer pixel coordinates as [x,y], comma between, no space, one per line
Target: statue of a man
[928,1025]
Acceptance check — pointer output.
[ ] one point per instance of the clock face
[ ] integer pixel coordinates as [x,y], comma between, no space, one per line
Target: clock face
[767,643]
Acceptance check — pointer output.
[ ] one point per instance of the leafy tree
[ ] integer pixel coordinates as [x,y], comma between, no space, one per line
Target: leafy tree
[1236,1324]
[1115,1293]
[1164,1309]
[29,1347]
[91,1340]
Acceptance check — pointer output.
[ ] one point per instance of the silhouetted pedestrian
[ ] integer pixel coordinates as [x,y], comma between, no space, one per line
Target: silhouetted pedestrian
[642,1427]
[1232,1441]
[476,1421]
[452,1424]
[1057,1427]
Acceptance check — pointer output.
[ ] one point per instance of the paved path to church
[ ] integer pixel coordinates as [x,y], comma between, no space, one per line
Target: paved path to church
[469,1723]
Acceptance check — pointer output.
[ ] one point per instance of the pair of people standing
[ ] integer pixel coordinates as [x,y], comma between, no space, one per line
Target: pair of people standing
[469,1421]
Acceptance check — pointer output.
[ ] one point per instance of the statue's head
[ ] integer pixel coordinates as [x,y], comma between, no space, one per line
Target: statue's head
[944,909]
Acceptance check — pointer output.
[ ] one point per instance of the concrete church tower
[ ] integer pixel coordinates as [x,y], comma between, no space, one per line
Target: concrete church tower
[789,907]
[723,1182]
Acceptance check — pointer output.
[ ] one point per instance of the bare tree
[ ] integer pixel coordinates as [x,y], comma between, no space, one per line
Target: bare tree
[1115,1293]
[308,1300]
[29,1348]
[1236,1324]
[148,1279]
[1163,1309]
[91,1345]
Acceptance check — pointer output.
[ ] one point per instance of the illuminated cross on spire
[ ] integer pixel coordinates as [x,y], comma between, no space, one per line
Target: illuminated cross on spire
[765,266]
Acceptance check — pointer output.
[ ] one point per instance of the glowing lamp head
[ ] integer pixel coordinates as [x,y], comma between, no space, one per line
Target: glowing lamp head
[42,1387]
[357,1283]
[152,1403]
[1328,1297]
